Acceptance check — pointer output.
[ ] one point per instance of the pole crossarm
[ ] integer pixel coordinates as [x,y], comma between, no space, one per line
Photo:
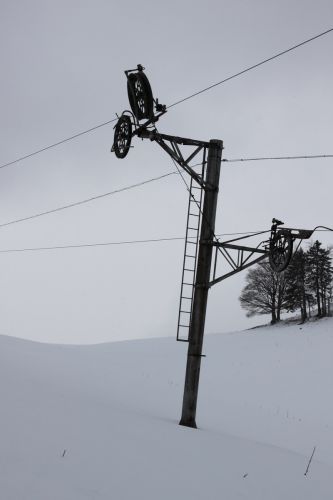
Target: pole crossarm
[237,270]
[170,144]
[239,247]
[238,264]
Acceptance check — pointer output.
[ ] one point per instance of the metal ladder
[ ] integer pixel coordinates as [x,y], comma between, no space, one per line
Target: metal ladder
[190,259]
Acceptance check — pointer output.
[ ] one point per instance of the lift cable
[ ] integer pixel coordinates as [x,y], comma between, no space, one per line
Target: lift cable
[322,228]
[110,193]
[88,245]
[249,68]
[171,105]
[303,157]
[131,242]
[58,143]
[87,200]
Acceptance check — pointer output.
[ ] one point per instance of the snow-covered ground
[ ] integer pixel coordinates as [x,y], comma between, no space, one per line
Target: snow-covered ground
[101,422]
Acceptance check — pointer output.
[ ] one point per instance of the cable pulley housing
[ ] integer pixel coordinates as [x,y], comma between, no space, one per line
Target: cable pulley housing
[143,105]
[280,251]
[122,136]
[140,95]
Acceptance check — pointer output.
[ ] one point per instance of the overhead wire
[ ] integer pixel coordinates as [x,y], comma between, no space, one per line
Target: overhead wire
[87,200]
[322,228]
[235,75]
[126,188]
[135,242]
[62,141]
[110,193]
[115,243]
[300,157]
[89,245]
[171,173]
[249,68]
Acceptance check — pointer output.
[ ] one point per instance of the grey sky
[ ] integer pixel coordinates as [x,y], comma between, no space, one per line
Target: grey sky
[62,72]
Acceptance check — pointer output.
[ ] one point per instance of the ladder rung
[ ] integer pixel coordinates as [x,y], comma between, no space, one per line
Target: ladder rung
[192,238]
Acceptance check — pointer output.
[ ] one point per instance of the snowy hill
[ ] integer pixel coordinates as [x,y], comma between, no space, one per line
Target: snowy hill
[101,422]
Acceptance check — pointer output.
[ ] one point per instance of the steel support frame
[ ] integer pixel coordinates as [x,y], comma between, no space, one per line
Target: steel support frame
[210,185]
[170,144]
[199,307]
[242,262]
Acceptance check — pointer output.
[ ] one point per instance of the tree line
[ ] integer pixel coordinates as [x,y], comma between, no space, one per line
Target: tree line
[305,285]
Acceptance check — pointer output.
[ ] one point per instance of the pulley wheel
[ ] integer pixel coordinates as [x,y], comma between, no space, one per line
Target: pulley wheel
[280,251]
[122,136]
[140,95]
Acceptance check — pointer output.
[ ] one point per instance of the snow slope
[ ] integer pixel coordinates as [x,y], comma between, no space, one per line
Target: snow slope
[101,422]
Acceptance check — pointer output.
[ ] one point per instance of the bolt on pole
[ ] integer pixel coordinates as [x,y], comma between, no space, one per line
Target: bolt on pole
[198,316]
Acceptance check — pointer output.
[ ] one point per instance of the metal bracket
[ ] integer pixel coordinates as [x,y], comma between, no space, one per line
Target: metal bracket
[244,256]
[203,286]
[241,262]
[170,144]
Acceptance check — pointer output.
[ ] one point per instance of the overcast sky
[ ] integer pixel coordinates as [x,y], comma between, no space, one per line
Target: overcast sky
[62,66]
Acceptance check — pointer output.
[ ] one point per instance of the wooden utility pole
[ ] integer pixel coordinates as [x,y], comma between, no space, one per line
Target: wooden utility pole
[198,316]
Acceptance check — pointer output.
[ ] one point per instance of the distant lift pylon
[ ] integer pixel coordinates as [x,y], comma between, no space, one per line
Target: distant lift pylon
[200,240]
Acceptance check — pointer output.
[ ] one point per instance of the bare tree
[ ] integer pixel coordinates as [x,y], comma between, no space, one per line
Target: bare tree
[264,292]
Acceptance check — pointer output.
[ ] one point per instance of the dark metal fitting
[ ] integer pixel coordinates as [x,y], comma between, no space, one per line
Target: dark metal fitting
[139,67]
[202,287]
[210,187]
[146,134]
[207,242]
[152,135]
[197,355]
[160,107]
